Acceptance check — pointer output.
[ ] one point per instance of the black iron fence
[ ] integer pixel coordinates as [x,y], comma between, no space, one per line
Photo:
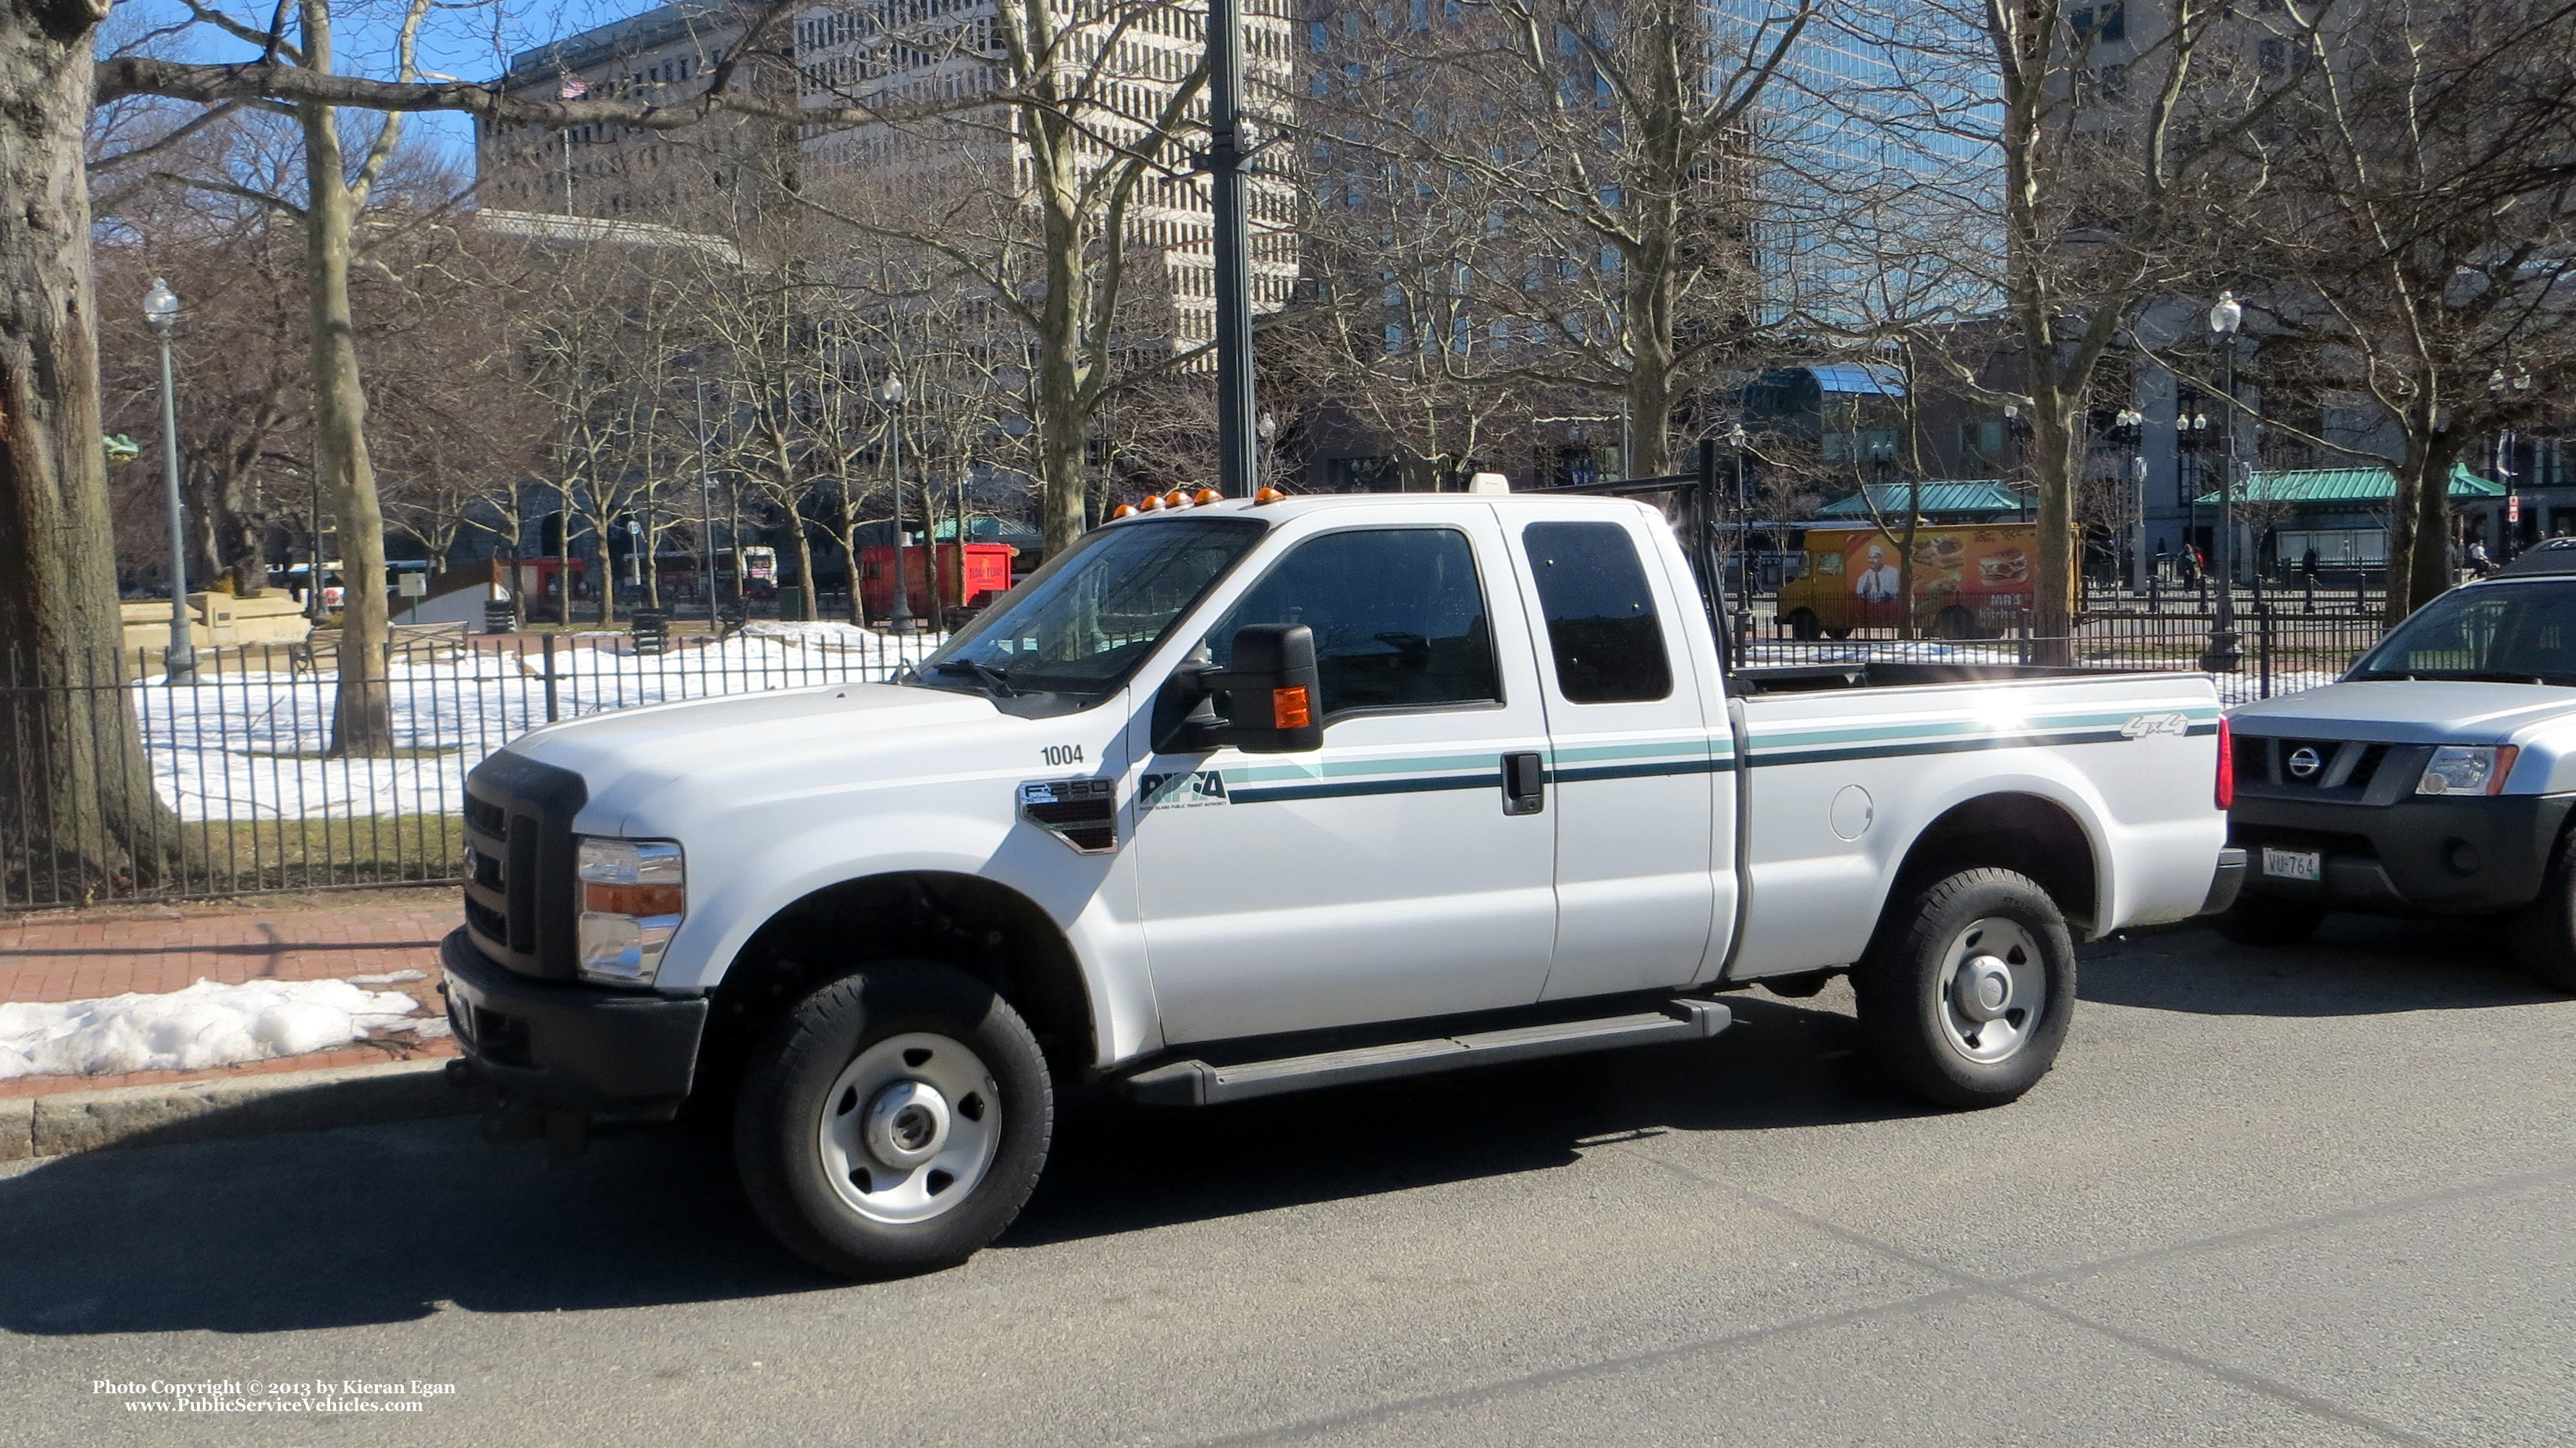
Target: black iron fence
[2278,650]
[120,784]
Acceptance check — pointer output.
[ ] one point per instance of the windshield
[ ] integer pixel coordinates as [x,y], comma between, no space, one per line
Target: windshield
[2523,633]
[1080,624]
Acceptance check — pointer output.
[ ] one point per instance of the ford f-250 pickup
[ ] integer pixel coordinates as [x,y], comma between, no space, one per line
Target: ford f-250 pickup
[1253,796]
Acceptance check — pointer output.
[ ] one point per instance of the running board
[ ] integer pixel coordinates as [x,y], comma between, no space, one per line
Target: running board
[1197,1083]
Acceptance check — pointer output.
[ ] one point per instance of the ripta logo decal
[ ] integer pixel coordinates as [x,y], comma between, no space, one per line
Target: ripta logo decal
[2146,725]
[1181,791]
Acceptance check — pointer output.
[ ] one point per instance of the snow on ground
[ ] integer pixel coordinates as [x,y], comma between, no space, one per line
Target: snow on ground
[190,1030]
[250,745]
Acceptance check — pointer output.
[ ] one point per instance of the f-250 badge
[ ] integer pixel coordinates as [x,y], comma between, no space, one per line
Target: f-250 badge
[1180,791]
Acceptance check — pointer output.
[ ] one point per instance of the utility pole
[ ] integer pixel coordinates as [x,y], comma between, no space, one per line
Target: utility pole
[1224,163]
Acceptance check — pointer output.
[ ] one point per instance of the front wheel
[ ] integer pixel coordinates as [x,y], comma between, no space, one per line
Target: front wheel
[895,1121]
[2544,931]
[1803,624]
[1966,996]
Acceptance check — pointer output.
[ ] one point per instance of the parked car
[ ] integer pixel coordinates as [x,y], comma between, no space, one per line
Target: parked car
[2434,779]
[1254,797]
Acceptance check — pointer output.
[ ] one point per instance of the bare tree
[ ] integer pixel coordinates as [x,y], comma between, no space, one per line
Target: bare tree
[2107,194]
[2418,225]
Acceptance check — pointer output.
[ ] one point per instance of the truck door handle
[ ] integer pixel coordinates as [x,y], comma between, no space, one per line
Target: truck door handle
[1524,784]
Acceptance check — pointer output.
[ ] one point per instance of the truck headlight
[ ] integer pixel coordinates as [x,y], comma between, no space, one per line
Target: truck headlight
[2467,769]
[633,893]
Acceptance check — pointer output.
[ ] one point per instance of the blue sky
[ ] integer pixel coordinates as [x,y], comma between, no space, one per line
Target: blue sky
[472,42]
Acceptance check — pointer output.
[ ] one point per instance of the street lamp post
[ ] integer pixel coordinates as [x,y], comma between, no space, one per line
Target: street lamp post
[1224,161]
[2222,657]
[890,396]
[706,513]
[161,309]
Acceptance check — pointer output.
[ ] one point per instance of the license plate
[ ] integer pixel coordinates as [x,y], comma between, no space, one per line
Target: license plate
[2292,864]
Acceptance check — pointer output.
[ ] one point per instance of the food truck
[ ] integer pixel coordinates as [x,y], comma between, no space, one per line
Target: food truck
[1971,580]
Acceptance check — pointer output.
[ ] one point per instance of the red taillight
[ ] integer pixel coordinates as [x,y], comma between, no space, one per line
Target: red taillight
[2226,791]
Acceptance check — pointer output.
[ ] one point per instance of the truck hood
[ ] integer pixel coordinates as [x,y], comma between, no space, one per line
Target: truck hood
[2397,711]
[748,746]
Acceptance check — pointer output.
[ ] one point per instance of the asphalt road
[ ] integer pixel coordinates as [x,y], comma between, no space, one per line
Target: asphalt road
[2312,1196]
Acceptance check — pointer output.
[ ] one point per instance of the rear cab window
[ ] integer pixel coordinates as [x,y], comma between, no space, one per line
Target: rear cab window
[1602,628]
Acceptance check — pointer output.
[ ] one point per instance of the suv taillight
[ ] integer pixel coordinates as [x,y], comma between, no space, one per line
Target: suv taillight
[2226,790]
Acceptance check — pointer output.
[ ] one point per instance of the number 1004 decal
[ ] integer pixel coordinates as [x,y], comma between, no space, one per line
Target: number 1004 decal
[1062,753]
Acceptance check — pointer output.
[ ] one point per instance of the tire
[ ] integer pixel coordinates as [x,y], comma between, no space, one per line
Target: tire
[1954,622]
[875,1099]
[2268,921]
[2543,932]
[1803,625]
[1949,1053]
[1838,633]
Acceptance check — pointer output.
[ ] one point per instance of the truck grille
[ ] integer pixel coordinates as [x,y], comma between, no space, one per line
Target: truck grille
[519,863]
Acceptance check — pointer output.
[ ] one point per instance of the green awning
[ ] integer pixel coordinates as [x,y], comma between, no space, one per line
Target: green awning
[1972,498]
[2327,487]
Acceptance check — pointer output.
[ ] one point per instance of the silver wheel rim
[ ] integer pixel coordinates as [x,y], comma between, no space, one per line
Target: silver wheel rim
[1994,989]
[910,1127]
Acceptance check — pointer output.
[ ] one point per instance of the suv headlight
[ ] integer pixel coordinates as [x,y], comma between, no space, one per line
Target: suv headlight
[2467,769]
[633,893]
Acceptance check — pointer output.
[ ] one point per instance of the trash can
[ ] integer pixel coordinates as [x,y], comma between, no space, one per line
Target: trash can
[500,616]
[652,633]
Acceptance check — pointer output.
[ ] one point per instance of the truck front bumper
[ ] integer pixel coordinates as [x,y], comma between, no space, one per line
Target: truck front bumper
[2441,855]
[557,1046]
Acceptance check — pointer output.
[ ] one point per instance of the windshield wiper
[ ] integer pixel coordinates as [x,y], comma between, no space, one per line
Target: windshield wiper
[985,674]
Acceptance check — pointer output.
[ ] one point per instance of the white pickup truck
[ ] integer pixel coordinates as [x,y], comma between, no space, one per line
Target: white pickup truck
[1254,796]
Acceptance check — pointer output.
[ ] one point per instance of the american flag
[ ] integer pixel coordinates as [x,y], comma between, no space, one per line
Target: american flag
[573,88]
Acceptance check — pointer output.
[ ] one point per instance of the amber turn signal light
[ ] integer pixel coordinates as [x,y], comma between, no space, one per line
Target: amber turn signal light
[641,901]
[1288,708]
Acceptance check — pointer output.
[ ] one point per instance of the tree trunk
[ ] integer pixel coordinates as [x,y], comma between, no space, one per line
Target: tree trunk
[79,802]
[362,721]
[2428,559]
[1062,418]
[805,566]
[2053,446]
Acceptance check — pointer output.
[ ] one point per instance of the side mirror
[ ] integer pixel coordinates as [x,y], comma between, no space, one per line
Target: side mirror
[1270,702]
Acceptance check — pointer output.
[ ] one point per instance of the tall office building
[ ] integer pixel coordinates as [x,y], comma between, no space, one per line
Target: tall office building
[701,177]
[1118,64]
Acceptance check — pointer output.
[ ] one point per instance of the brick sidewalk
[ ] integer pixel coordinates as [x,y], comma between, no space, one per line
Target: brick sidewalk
[84,955]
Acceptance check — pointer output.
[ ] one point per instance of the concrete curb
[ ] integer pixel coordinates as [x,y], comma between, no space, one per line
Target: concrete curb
[40,1126]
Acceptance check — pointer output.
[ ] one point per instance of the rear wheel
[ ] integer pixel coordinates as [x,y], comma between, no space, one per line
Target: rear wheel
[2544,931]
[895,1121]
[2263,920]
[1965,998]
[1803,624]
[1954,622]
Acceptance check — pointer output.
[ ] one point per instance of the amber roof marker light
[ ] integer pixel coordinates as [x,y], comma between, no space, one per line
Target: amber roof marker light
[1268,495]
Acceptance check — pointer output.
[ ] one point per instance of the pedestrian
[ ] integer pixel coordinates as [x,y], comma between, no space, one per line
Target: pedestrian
[2479,563]
[2190,566]
[2308,567]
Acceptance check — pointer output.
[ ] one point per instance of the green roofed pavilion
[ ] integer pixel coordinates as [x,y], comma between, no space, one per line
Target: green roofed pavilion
[2345,487]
